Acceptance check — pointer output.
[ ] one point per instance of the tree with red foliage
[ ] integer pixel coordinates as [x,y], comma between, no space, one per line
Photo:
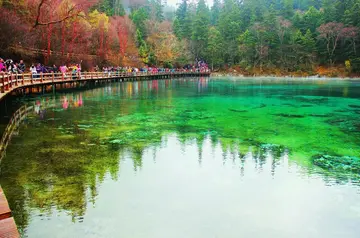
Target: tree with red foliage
[47,13]
[333,33]
[73,9]
[119,25]
[14,30]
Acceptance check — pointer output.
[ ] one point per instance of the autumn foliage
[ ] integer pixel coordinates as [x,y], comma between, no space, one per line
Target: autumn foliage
[64,31]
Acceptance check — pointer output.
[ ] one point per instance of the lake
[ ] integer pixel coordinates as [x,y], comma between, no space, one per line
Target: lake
[191,157]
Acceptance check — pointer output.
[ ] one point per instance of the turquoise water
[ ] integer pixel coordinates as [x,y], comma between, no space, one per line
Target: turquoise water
[218,157]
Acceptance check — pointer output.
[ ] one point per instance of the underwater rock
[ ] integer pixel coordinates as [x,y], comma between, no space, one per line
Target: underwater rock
[288,104]
[235,110]
[336,121]
[195,115]
[288,115]
[357,126]
[354,106]
[262,105]
[338,163]
[320,115]
[313,100]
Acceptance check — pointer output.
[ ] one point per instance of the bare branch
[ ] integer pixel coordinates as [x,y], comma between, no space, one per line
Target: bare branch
[74,11]
[38,12]
[58,21]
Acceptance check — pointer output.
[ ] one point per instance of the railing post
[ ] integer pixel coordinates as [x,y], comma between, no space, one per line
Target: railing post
[3,84]
[23,78]
[62,76]
[32,79]
[16,79]
[41,77]
[10,81]
[53,77]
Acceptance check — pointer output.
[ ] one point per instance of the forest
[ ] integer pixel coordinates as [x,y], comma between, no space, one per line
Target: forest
[250,36]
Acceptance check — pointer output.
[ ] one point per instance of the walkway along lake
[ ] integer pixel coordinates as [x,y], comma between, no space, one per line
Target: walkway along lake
[205,157]
[25,83]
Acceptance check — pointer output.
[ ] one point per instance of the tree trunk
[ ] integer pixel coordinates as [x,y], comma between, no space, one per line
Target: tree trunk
[63,38]
[49,34]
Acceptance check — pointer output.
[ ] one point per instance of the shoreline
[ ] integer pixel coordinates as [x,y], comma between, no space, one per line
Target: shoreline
[318,77]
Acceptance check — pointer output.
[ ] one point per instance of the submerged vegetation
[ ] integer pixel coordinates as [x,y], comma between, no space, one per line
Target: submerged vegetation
[276,37]
[338,163]
[62,155]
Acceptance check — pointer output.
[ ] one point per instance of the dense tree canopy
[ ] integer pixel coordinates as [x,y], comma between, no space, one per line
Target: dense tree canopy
[289,35]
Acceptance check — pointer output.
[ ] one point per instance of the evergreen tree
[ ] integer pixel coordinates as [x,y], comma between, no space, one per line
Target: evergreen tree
[182,22]
[156,9]
[229,26]
[308,42]
[215,48]
[200,32]
[111,7]
[329,8]
[139,16]
[215,12]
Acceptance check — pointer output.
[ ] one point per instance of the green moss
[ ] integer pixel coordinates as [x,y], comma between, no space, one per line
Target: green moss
[338,163]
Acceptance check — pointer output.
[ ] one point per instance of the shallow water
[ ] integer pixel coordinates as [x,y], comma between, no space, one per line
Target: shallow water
[219,157]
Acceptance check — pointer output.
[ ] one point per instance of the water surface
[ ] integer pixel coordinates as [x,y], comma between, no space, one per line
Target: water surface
[219,157]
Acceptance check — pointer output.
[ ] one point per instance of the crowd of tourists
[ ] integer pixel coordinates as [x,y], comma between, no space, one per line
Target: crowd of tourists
[11,67]
[136,70]
[187,68]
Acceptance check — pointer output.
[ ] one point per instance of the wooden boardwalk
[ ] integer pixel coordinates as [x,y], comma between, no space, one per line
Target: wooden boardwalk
[14,82]
[8,227]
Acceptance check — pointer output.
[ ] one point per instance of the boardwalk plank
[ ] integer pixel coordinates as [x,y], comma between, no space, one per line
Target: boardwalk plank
[5,211]
[8,228]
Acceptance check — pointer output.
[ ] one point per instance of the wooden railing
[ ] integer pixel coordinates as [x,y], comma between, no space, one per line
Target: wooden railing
[13,126]
[8,82]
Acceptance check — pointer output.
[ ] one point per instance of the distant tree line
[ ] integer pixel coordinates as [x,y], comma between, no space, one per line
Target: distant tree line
[287,34]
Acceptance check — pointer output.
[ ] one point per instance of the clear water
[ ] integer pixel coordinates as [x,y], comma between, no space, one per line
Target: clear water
[218,157]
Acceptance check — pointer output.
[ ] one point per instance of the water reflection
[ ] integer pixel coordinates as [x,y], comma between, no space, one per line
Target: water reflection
[68,178]
[75,144]
[84,199]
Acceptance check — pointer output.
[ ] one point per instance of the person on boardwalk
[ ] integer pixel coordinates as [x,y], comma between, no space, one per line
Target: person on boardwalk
[33,70]
[2,65]
[63,70]
[74,71]
[21,67]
